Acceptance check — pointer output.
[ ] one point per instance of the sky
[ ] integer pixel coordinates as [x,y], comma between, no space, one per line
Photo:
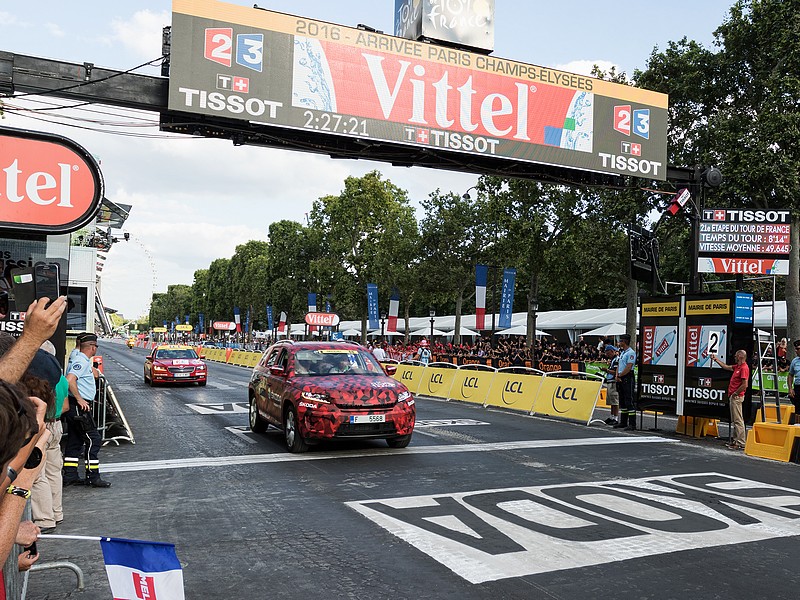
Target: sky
[195,200]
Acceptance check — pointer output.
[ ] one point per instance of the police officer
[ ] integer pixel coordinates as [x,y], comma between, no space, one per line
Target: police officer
[83,437]
[626,384]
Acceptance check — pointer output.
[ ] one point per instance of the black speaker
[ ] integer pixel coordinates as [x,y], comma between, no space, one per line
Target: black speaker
[712,177]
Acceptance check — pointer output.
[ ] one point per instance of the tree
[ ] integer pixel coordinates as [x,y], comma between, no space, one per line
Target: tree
[453,235]
[739,108]
[287,267]
[365,232]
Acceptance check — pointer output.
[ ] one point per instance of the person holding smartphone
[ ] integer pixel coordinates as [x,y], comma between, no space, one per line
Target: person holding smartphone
[736,391]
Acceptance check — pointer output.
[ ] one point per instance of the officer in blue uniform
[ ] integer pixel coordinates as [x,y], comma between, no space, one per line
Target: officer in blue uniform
[83,439]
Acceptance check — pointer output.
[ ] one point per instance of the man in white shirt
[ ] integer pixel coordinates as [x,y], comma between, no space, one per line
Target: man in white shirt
[379,352]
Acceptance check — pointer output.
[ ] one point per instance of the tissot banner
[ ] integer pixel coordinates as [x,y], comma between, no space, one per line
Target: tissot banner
[275,69]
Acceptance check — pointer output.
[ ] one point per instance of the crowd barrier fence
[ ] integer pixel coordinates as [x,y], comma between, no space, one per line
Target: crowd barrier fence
[564,394]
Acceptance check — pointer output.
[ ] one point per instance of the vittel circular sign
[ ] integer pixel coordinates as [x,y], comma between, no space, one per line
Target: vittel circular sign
[48,183]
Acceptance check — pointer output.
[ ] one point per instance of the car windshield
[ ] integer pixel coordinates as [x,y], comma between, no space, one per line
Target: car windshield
[173,354]
[335,361]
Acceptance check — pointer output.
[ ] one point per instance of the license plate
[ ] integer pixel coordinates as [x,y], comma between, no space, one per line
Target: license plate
[367,418]
[182,374]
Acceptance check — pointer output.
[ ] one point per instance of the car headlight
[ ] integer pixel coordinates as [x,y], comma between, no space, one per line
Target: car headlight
[201,368]
[321,398]
[158,369]
[404,396]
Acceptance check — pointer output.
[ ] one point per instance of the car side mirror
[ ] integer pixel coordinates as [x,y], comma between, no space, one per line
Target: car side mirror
[390,369]
[148,358]
[277,370]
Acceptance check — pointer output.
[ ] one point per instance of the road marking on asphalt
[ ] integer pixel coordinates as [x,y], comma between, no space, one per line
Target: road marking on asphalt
[243,433]
[219,408]
[221,386]
[447,423]
[283,457]
[494,534]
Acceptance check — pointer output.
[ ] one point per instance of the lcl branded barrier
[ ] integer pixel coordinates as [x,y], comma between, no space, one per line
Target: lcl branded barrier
[562,394]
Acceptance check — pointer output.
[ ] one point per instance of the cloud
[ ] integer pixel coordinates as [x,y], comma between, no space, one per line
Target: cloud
[9,19]
[54,30]
[584,67]
[141,33]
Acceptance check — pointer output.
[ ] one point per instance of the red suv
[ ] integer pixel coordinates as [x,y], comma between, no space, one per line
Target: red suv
[328,390]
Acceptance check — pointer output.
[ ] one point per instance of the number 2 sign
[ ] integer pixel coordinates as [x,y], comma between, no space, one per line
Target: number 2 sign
[624,117]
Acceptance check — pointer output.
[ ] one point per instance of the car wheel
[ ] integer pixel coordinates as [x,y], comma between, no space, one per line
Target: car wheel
[399,442]
[146,380]
[257,424]
[202,383]
[291,430]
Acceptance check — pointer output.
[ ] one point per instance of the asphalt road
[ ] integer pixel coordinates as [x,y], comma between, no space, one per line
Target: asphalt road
[482,504]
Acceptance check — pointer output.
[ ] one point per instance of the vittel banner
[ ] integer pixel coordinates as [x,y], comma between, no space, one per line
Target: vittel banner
[275,69]
[48,183]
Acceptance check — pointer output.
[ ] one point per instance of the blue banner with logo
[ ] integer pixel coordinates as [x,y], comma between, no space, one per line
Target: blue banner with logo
[201,318]
[270,323]
[247,321]
[312,302]
[328,304]
[372,306]
[188,318]
[507,298]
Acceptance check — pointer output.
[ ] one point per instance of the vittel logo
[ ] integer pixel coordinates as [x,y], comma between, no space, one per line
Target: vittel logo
[47,183]
[40,187]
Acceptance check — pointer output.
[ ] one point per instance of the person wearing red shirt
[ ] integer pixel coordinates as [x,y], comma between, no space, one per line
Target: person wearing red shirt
[736,391]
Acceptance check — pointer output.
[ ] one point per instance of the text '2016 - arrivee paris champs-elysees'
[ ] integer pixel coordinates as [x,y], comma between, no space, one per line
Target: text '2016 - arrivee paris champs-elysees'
[276,69]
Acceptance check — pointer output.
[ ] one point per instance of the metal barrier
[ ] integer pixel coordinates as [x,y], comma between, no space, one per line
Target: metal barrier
[17,583]
[107,413]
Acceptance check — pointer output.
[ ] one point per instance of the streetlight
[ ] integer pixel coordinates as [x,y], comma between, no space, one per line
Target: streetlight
[466,196]
[383,322]
[432,315]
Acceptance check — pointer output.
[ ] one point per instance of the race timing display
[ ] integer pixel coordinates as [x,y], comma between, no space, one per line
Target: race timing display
[744,241]
[269,68]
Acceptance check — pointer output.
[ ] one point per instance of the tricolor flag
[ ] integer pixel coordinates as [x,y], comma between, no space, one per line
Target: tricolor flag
[394,309]
[139,570]
[481,273]
[237,318]
[282,323]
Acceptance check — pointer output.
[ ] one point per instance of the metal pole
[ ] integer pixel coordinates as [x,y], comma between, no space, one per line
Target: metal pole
[494,306]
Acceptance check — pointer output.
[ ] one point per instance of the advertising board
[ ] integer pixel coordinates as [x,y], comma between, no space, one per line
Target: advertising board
[224,326]
[677,375]
[48,183]
[287,72]
[746,242]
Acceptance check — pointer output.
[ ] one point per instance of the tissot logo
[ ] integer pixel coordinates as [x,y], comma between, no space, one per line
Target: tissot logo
[658,378]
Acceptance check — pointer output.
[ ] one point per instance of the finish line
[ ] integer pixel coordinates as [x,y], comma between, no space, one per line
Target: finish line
[285,457]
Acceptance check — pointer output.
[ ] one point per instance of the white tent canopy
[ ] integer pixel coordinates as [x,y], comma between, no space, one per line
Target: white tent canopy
[464,332]
[520,330]
[350,332]
[612,329]
[424,332]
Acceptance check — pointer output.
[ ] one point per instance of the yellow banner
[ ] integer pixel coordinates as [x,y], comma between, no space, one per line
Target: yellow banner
[661,309]
[436,382]
[471,385]
[708,307]
[572,399]
[410,376]
[513,391]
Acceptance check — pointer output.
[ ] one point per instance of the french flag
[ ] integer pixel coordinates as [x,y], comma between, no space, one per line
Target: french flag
[139,570]
[282,323]
[394,309]
[237,318]
[481,276]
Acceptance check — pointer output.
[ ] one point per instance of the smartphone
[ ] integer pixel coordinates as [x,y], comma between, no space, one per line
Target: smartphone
[32,550]
[47,281]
